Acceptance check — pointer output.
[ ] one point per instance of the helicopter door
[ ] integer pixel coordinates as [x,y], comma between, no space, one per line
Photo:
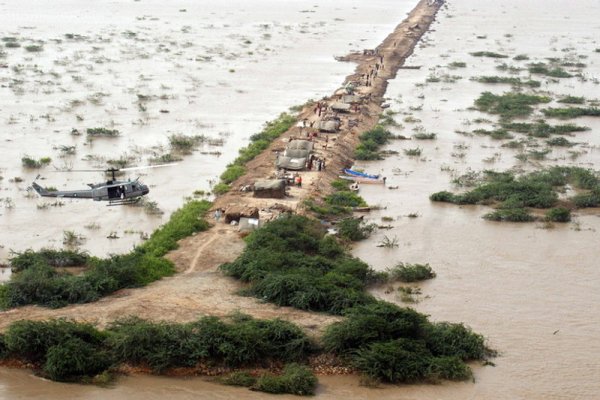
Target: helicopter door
[114,192]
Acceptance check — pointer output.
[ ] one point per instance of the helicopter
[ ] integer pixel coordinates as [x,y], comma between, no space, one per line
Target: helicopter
[114,191]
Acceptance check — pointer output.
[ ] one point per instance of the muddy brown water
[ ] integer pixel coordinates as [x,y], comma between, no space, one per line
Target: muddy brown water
[530,289]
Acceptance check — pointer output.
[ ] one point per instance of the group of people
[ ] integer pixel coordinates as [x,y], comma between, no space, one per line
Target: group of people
[373,72]
[320,108]
[316,163]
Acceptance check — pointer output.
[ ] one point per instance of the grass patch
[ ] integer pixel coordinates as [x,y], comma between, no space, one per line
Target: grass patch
[424,136]
[457,64]
[508,80]
[558,214]
[571,112]
[560,142]
[544,69]
[543,130]
[29,162]
[510,215]
[410,272]
[509,105]
[38,282]
[296,379]
[489,54]
[104,132]
[572,100]
[414,152]
[34,48]
[496,134]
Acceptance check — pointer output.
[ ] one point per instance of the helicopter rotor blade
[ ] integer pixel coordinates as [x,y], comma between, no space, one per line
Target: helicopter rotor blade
[146,167]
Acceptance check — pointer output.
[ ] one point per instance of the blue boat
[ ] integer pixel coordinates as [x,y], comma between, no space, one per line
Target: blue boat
[360,174]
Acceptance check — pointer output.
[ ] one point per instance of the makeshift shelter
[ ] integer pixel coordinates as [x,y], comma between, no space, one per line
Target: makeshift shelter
[350,99]
[272,188]
[331,125]
[235,212]
[341,107]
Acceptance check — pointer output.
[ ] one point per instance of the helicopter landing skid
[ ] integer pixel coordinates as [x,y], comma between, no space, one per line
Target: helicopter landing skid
[122,202]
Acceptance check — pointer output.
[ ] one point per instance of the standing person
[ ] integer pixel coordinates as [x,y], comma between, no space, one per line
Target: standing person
[218,214]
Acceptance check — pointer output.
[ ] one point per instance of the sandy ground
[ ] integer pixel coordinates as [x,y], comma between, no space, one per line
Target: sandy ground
[199,288]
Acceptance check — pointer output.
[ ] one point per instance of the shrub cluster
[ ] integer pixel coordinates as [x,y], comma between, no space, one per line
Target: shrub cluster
[559,214]
[405,272]
[544,69]
[70,351]
[490,54]
[542,129]
[295,379]
[397,345]
[38,282]
[354,229]
[370,142]
[292,262]
[536,189]
[54,258]
[508,80]
[509,105]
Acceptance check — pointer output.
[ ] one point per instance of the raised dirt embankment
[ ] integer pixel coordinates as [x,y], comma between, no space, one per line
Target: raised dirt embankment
[199,288]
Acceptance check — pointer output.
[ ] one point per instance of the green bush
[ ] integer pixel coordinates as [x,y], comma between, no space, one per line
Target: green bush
[454,340]
[394,361]
[379,321]
[354,229]
[296,379]
[31,340]
[370,142]
[75,359]
[558,214]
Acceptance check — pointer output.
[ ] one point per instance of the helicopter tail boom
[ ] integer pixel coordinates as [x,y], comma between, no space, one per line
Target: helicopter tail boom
[42,191]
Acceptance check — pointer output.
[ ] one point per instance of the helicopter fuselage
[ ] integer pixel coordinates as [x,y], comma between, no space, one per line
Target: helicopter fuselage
[118,192]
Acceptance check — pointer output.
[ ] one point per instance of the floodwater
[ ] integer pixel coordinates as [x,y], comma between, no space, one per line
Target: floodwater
[152,69]
[532,290]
